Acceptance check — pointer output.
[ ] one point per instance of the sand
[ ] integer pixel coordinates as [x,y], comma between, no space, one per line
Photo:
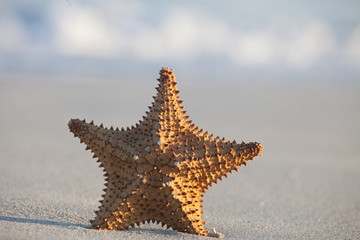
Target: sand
[306,185]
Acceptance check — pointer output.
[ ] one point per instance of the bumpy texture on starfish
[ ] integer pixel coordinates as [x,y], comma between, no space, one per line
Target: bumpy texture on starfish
[158,170]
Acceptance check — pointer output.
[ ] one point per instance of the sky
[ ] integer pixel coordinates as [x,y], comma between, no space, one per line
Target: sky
[209,39]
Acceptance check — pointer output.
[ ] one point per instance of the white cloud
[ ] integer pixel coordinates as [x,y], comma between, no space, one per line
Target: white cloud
[352,48]
[181,36]
[120,30]
[253,48]
[307,45]
[14,37]
[174,38]
[184,35]
[84,31]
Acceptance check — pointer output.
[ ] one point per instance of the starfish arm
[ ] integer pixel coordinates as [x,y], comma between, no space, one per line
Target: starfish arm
[116,163]
[106,144]
[213,158]
[187,194]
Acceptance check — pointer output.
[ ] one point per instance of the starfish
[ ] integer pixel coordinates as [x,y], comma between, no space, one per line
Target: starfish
[159,170]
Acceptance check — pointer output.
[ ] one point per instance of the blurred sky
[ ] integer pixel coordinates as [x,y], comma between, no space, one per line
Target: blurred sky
[210,40]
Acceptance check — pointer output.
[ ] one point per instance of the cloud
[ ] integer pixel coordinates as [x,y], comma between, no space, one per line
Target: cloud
[184,35]
[298,48]
[14,37]
[174,38]
[352,48]
[113,29]
[180,36]
[84,32]
[253,48]
[305,46]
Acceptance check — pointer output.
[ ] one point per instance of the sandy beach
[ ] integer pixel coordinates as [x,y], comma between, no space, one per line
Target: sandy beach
[304,186]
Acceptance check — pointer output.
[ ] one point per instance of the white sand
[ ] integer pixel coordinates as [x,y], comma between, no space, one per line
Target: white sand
[305,186]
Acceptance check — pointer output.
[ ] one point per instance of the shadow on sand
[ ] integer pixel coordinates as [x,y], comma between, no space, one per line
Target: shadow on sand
[159,231]
[43,222]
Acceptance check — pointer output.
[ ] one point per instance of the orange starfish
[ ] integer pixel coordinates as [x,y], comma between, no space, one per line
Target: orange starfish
[159,169]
